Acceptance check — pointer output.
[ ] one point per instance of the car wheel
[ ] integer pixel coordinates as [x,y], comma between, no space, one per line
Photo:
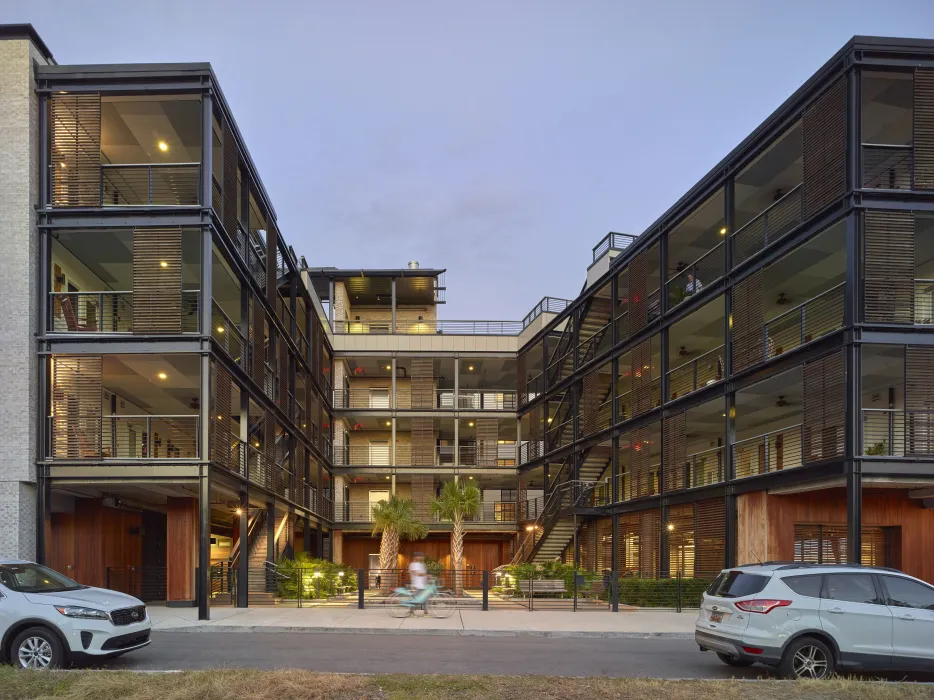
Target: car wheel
[735,663]
[807,658]
[37,648]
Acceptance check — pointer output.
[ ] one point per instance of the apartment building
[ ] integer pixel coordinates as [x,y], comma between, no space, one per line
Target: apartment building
[750,378]
[188,400]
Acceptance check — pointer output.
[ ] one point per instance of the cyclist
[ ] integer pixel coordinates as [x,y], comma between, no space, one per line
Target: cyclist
[418,572]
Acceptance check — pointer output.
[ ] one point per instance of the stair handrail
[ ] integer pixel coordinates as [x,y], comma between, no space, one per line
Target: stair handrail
[553,506]
[234,557]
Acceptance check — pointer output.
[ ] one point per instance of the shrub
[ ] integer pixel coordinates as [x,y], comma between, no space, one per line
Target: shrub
[661,592]
[317,578]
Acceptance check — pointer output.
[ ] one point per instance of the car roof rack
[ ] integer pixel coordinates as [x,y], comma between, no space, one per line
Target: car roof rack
[787,565]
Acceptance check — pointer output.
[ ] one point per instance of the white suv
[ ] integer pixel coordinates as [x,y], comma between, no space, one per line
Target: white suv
[809,620]
[47,619]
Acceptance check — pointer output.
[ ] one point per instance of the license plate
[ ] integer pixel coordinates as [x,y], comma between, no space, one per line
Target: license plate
[716,617]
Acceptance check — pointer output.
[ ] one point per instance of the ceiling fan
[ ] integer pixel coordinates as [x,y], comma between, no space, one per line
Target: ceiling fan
[781,403]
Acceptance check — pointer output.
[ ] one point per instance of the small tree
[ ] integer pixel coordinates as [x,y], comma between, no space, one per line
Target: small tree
[458,500]
[396,520]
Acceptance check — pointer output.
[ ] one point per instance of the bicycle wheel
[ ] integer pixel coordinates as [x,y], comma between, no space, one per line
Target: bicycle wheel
[395,605]
[442,605]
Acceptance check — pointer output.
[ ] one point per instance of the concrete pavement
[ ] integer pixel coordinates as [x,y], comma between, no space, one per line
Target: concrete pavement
[466,622]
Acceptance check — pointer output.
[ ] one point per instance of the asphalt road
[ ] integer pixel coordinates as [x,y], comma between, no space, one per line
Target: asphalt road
[377,653]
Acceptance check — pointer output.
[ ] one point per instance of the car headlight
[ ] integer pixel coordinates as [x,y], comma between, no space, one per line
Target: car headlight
[83,613]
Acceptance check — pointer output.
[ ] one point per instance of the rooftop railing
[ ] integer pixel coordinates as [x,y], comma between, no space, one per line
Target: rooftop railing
[428,327]
[612,241]
[548,305]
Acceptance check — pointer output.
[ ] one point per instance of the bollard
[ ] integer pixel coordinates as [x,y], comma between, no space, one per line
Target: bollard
[360,589]
[485,584]
[679,590]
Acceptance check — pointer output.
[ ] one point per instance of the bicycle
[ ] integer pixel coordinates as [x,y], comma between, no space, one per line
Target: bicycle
[432,599]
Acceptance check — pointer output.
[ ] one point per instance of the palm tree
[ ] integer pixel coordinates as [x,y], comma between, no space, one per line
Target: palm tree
[458,500]
[396,520]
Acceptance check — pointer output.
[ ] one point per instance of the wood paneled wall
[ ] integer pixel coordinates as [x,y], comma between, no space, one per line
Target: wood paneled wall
[182,548]
[765,524]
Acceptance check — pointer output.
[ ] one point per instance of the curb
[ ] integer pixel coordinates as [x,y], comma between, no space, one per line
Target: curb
[557,634]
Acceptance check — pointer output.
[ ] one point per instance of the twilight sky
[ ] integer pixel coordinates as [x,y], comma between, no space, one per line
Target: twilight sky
[500,139]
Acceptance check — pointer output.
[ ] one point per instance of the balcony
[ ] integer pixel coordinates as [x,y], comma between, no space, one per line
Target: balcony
[806,322]
[888,166]
[379,399]
[699,469]
[227,336]
[897,432]
[548,305]
[770,452]
[695,374]
[147,184]
[491,513]
[122,437]
[428,327]
[638,484]
[778,220]
[111,312]
[691,280]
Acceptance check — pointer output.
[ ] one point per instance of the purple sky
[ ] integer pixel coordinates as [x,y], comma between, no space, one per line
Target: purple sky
[498,139]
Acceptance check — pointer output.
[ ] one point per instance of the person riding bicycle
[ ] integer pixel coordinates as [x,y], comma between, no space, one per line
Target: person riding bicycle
[418,572]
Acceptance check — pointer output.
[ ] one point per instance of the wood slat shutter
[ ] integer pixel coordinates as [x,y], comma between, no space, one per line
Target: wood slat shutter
[709,537]
[269,452]
[157,280]
[638,305]
[824,408]
[674,452]
[642,378]
[589,403]
[423,442]
[76,150]
[257,340]
[283,352]
[924,129]
[76,407]
[824,150]
[230,168]
[423,383]
[919,400]
[487,441]
[748,322]
[642,483]
[223,412]
[423,490]
[889,260]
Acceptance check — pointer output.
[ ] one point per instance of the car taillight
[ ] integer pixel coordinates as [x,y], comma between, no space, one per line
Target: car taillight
[762,605]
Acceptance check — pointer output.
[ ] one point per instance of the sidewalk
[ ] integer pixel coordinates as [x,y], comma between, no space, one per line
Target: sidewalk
[507,623]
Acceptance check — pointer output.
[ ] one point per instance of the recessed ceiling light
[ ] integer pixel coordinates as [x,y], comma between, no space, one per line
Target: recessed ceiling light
[163,146]
[389,367]
[220,329]
[387,478]
[723,231]
[470,424]
[163,264]
[162,375]
[388,423]
[470,368]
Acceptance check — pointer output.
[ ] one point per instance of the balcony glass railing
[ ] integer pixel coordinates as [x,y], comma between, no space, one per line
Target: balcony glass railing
[145,184]
[140,437]
[888,166]
[897,432]
[113,312]
[769,452]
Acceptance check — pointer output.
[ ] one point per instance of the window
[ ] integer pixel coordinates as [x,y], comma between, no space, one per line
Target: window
[826,544]
[736,584]
[851,588]
[905,593]
[804,585]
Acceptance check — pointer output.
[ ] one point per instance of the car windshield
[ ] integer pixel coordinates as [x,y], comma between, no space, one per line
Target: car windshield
[33,578]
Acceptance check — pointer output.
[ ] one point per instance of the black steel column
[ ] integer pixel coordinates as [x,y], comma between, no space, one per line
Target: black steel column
[853,465]
[664,555]
[306,535]
[577,560]
[852,309]
[207,156]
[729,539]
[43,513]
[320,542]
[202,585]
[243,564]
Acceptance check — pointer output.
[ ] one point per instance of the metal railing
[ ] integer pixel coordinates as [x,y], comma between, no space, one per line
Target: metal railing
[894,432]
[630,404]
[888,166]
[805,322]
[487,400]
[691,280]
[138,184]
[428,327]
[491,512]
[779,219]
[531,508]
[227,335]
[638,484]
[924,302]
[769,452]
[487,455]
[699,469]
[124,437]
[588,348]
[548,305]
[612,241]
[569,494]
[148,583]
[111,311]
[530,449]
[695,374]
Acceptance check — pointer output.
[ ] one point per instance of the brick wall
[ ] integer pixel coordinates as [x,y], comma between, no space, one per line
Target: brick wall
[19,249]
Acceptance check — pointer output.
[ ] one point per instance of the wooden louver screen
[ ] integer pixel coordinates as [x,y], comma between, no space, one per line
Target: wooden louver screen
[257,340]
[748,322]
[824,150]
[76,407]
[824,408]
[638,305]
[423,383]
[709,537]
[76,150]
[283,352]
[638,544]
[223,413]
[919,401]
[674,453]
[641,480]
[487,442]
[889,259]
[272,272]
[157,280]
[642,378]
[924,129]
[230,215]
[269,451]
[590,400]
[423,442]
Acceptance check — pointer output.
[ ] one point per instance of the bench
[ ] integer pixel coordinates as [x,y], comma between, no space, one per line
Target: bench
[544,587]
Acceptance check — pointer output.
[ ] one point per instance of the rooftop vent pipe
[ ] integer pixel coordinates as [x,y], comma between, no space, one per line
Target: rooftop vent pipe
[413,264]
